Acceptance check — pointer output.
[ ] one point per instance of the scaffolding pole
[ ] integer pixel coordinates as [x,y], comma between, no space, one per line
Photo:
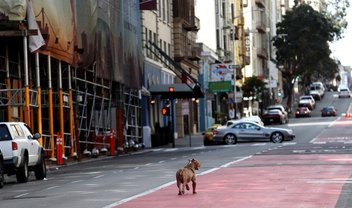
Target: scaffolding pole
[39,91]
[51,113]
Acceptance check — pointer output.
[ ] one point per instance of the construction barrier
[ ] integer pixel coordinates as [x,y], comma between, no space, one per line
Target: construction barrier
[112,141]
[59,148]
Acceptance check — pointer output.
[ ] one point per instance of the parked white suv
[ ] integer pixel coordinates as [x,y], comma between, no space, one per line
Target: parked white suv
[21,151]
[307,101]
[317,90]
[345,92]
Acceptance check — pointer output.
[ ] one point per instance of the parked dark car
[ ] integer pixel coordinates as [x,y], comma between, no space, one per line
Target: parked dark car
[273,116]
[302,112]
[329,111]
[281,108]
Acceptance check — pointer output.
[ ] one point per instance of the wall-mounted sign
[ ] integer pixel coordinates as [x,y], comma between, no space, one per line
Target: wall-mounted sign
[221,86]
[222,72]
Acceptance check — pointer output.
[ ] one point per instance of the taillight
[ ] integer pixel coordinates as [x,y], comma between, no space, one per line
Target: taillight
[14,146]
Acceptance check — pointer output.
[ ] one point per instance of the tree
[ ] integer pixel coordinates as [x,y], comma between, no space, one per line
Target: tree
[253,86]
[302,47]
[336,11]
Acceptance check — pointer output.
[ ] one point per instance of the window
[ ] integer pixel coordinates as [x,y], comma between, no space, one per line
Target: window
[159,8]
[217,39]
[168,11]
[4,133]
[164,8]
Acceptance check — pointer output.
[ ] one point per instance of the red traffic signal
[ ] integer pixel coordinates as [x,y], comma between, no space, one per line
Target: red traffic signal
[165,111]
[171,89]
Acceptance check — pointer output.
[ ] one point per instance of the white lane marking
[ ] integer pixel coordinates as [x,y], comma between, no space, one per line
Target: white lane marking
[197,148]
[139,195]
[259,144]
[99,176]
[170,183]
[170,150]
[327,181]
[289,143]
[162,161]
[236,161]
[18,196]
[49,188]
[77,181]
[310,124]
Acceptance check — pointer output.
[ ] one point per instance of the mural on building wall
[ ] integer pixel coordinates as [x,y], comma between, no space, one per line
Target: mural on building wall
[93,33]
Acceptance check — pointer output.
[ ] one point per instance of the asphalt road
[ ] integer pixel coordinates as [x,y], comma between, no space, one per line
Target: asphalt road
[314,170]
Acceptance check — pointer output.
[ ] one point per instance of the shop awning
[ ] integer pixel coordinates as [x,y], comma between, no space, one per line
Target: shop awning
[180,90]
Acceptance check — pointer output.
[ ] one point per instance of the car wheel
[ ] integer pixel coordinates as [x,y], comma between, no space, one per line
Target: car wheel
[277,137]
[40,169]
[2,177]
[230,139]
[22,173]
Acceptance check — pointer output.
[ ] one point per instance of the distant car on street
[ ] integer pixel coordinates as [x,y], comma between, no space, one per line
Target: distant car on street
[250,131]
[306,101]
[317,90]
[328,111]
[268,119]
[208,134]
[344,93]
[302,112]
[273,116]
[255,119]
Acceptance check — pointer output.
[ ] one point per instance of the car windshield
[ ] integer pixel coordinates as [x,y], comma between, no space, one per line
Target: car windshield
[274,111]
[245,126]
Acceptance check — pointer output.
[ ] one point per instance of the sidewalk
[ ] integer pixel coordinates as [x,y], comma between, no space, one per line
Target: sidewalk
[188,141]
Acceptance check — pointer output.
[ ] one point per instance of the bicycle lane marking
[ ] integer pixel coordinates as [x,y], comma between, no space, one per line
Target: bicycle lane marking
[171,183]
[295,180]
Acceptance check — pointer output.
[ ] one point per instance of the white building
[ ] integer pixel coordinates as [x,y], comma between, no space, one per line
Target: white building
[157,27]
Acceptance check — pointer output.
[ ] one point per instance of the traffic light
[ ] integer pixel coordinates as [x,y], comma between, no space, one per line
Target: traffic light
[171,89]
[165,111]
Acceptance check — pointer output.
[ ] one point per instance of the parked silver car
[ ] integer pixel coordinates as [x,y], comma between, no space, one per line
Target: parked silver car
[250,131]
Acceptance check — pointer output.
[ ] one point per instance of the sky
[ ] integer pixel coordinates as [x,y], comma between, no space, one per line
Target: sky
[342,49]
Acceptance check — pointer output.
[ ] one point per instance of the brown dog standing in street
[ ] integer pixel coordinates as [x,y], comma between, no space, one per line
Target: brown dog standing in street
[186,175]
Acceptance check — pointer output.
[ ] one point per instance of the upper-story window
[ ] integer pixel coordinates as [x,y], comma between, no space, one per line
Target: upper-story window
[164,9]
[159,8]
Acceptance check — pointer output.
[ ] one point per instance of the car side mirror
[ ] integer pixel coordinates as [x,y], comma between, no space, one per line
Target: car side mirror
[37,136]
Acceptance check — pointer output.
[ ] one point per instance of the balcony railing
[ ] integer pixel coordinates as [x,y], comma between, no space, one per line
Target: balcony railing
[185,48]
[192,23]
[262,53]
[261,26]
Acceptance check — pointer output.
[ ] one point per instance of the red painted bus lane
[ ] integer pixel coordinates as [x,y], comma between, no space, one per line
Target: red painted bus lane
[265,181]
